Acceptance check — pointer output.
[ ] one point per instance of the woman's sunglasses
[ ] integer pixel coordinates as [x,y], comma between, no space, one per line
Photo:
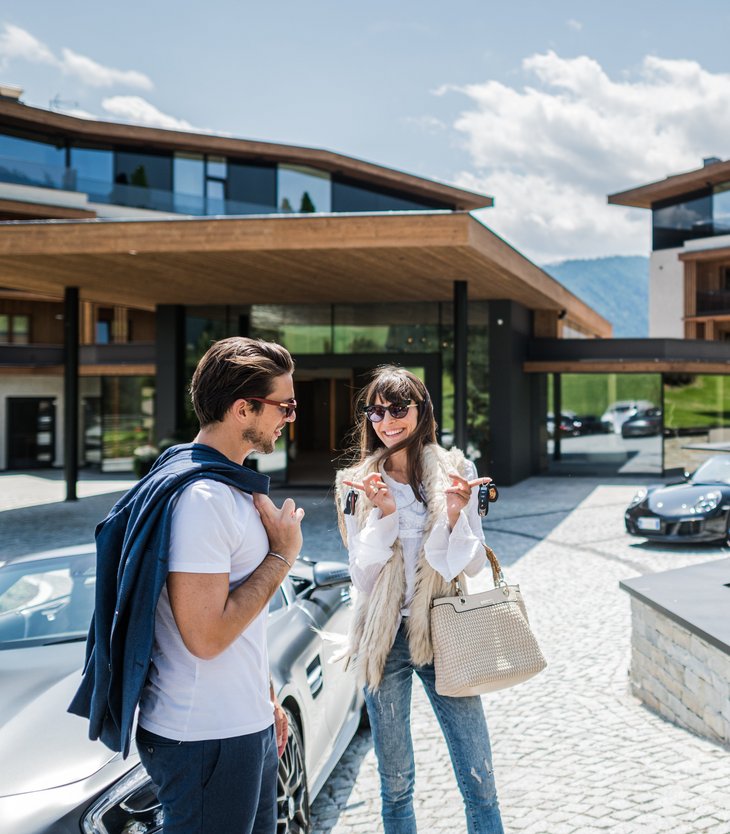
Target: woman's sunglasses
[376,413]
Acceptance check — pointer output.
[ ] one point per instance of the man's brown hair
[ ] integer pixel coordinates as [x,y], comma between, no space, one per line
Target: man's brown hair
[234,369]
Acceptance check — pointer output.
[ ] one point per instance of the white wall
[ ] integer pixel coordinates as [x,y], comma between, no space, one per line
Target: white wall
[41,386]
[666,294]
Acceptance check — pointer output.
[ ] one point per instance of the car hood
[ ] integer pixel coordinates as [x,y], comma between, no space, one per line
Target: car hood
[678,499]
[42,745]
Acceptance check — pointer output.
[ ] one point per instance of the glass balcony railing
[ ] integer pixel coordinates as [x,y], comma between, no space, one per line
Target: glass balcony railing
[20,172]
[713,301]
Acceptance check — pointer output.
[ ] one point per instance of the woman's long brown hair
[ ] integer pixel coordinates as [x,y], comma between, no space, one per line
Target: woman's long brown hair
[394,384]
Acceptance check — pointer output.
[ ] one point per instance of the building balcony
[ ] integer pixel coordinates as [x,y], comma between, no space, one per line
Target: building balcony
[713,302]
[51,356]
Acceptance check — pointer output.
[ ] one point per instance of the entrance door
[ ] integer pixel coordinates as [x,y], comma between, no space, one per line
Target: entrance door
[31,432]
[326,387]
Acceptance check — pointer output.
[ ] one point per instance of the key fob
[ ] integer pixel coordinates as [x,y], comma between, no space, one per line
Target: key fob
[487,495]
[350,501]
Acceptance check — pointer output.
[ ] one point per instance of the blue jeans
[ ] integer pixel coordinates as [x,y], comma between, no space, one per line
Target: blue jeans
[464,727]
[221,786]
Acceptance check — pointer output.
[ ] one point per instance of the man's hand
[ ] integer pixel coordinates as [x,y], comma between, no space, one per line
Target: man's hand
[281,724]
[283,526]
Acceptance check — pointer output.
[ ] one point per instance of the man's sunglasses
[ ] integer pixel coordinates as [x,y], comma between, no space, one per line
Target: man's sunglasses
[376,413]
[289,407]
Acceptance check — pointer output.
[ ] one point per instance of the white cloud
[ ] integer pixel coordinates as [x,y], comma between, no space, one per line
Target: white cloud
[97,75]
[575,24]
[18,44]
[139,111]
[553,149]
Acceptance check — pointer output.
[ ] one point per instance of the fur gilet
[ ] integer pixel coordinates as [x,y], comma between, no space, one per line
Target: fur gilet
[377,615]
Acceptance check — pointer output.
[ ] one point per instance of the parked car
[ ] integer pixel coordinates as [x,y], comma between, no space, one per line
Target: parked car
[54,779]
[695,510]
[617,413]
[644,424]
[570,425]
[590,424]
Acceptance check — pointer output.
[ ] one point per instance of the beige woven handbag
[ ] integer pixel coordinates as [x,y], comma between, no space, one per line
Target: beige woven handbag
[483,642]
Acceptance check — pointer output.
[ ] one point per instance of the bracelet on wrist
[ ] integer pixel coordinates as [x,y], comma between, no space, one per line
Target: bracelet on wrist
[279,556]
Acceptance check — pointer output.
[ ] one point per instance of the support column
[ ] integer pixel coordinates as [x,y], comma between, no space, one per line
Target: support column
[557,411]
[461,332]
[517,402]
[170,375]
[71,390]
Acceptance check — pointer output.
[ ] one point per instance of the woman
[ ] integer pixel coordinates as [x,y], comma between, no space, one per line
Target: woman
[414,528]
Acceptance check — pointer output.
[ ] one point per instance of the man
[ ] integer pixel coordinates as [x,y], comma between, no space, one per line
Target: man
[187,563]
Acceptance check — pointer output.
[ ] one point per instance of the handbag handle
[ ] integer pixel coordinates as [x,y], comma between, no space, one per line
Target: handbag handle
[497,575]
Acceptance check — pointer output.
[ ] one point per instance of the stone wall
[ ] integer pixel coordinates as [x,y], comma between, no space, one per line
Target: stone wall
[679,675]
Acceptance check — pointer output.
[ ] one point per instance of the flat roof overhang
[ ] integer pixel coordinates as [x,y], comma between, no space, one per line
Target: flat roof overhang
[606,356]
[410,256]
[644,196]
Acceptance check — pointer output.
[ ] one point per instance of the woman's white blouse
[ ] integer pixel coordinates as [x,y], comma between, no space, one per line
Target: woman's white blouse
[447,551]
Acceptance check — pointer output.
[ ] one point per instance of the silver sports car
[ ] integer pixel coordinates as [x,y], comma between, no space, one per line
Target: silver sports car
[54,780]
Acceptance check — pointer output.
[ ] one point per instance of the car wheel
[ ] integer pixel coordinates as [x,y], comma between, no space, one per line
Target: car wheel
[292,794]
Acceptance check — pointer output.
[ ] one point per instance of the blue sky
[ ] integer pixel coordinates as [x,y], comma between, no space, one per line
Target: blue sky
[546,106]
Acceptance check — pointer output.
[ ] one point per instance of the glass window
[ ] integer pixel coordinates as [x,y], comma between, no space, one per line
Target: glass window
[92,171]
[251,188]
[386,328]
[217,167]
[696,414]
[143,180]
[4,328]
[350,195]
[301,328]
[189,182]
[216,197]
[21,330]
[303,190]
[721,209]
[477,406]
[127,419]
[677,221]
[27,162]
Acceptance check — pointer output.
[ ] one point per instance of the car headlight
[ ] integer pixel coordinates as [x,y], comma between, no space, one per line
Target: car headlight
[638,498]
[708,502]
[129,807]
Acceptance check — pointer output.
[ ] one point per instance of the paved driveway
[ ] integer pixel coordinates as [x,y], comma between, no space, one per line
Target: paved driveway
[574,751]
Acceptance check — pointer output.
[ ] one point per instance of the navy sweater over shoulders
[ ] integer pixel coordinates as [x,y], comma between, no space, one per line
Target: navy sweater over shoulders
[131,568]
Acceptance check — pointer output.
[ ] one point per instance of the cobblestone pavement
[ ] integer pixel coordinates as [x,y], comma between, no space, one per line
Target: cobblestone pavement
[574,752]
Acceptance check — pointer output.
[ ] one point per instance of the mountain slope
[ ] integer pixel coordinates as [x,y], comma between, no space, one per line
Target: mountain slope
[616,287]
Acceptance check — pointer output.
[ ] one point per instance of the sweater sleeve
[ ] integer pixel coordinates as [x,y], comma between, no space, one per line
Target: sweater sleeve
[370,548]
[451,552]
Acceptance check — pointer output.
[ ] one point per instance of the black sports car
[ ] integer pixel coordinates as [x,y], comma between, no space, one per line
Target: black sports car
[53,780]
[695,510]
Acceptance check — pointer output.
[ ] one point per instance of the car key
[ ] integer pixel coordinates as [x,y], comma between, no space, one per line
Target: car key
[487,495]
[350,502]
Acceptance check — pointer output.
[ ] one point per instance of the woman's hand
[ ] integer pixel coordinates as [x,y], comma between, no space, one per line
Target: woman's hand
[376,491]
[458,495]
